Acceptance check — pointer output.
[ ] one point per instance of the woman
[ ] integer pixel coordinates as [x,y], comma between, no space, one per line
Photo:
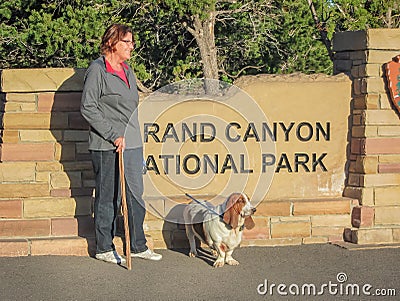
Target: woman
[109,104]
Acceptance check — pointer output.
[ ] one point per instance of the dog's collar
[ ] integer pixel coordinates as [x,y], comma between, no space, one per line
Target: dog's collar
[241,228]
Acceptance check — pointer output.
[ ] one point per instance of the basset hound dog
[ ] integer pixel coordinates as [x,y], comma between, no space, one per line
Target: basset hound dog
[220,227]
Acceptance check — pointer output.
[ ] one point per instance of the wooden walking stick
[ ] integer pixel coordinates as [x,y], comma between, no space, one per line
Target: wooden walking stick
[125,211]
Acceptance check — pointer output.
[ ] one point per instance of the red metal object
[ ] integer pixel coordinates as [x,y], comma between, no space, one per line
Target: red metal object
[393,79]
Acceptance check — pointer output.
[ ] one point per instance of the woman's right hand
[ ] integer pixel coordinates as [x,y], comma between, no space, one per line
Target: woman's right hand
[120,144]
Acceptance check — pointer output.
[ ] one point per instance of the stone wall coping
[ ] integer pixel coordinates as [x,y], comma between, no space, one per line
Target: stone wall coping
[293,77]
[42,80]
[374,38]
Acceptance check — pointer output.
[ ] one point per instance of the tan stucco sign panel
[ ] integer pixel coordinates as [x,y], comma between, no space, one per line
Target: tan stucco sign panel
[275,137]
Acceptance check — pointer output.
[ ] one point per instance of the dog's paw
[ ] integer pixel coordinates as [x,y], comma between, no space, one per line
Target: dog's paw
[192,254]
[218,263]
[232,262]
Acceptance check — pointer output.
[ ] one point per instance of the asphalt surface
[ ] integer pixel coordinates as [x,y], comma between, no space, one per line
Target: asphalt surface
[308,272]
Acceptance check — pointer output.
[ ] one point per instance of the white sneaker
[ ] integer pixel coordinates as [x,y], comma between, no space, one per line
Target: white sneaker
[111,256]
[148,254]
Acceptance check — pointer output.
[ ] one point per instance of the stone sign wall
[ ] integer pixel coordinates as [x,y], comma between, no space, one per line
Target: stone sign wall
[318,155]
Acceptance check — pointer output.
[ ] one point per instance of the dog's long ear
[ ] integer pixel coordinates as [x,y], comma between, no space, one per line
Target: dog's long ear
[231,216]
[249,223]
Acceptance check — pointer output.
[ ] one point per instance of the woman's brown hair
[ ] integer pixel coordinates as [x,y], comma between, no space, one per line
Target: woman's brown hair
[113,34]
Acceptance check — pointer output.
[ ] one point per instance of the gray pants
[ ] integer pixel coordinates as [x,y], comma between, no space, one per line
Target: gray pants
[108,198]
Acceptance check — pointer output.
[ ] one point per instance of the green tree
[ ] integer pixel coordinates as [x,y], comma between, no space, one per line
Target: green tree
[302,50]
[51,33]
[220,39]
[340,15]
[231,35]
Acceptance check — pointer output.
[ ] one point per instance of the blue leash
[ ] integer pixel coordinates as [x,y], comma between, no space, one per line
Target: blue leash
[202,204]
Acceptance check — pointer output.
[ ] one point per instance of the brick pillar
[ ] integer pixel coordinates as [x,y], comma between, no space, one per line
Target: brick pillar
[374,152]
[46,178]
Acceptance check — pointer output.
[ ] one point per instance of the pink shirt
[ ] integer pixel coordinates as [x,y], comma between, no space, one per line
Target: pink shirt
[120,73]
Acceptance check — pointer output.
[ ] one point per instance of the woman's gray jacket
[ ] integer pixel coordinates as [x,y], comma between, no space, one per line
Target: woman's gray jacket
[110,107]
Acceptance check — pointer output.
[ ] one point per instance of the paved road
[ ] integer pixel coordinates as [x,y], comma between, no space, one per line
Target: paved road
[177,277]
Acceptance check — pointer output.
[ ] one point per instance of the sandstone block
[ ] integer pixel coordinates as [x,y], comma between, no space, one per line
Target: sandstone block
[17,171]
[387,158]
[375,85]
[381,117]
[343,65]
[19,107]
[59,102]
[60,192]
[27,121]
[389,168]
[273,208]
[77,122]
[372,236]
[76,136]
[49,166]
[10,136]
[387,215]
[40,135]
[82,226]
[82,148]
[365,195]
[387,196]
[65,151]
[341,41]
[385,102]
[359,86]
[359,56]
[57,207]
[60,180]
[367,164]
[383,38]
[331,220]
[14,247]
[42,176]
[46,79]
[372,101]
[10,208]
[21,97]
[319,207]
[24,228]
[256,233]
[327,231]
[75,246]
[381,180]
[362,216]
[78,166]
[27,152]
[357,117]
[364,131]
[389,131]
[66,179]
[286,230]
[357,146]
[373,70]
[59,121]
[24,190]
[315,240]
